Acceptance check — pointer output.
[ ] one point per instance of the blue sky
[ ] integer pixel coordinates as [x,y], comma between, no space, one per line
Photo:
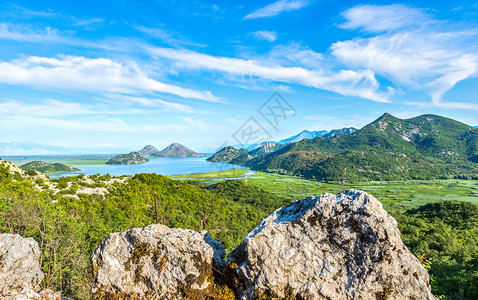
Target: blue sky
[108,76]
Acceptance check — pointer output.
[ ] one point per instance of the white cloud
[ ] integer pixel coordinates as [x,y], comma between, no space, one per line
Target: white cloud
[375,18]
[26,34]
[426,57]
[171,38]
[297,55]
[57,108]
[49,108]
[80,73]
[361,83]
[276,8]
[154,102]
[269,36]
[88,23]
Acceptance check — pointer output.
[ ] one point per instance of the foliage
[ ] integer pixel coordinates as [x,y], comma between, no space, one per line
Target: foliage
[445,236]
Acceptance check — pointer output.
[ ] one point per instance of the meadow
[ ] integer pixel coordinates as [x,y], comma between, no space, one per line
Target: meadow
[394,195]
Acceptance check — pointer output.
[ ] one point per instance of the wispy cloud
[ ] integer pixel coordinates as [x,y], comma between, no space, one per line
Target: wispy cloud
[88,23]
[85,74]
[269,36]
[411,49]
[329,122]
[168,37]
[58,108]
[153,102]
[276,8]
[375,18]
[26,34]
[361,83]
[24,12]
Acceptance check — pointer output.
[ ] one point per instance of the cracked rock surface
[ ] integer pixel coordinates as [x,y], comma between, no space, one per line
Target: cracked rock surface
[19,267]
[343,246]
[156,262]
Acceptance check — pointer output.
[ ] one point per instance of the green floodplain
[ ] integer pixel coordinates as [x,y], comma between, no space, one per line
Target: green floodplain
[392,194]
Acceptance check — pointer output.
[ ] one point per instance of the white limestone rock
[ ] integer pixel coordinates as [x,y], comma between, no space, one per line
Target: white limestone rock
[19,266]
[156,261]
[343,246]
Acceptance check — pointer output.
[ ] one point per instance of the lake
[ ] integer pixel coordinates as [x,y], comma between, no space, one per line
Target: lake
[163,166]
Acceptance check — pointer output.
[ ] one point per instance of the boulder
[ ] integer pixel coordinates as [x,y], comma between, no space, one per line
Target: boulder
[343,246]
[19,266]
[156,262]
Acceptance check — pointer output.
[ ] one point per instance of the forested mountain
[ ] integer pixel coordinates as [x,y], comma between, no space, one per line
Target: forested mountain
[335,132]
[424,147]
[227,154]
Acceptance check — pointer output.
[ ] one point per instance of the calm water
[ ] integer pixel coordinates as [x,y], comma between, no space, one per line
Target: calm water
[163,166]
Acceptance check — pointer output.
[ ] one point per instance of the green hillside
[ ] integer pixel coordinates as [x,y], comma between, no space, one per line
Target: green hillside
[44,167]
[424,147]
[227,154]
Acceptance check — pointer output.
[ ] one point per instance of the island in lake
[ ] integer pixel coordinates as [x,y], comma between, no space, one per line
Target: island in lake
[141,156]
[45,167]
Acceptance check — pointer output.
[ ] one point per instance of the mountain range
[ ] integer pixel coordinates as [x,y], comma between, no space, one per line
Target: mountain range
[424,147]
[235,155]
[308,135]
[303,135]
[173,150]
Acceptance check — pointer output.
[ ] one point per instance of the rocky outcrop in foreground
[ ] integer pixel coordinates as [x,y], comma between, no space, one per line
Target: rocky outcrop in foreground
[20,272]
[156,261]
[342,246]
[19,267]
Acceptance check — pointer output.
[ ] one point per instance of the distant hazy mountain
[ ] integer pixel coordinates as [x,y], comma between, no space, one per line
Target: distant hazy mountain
[149,151]
[305,134]
[33,149]
[424,147]
[132,158]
